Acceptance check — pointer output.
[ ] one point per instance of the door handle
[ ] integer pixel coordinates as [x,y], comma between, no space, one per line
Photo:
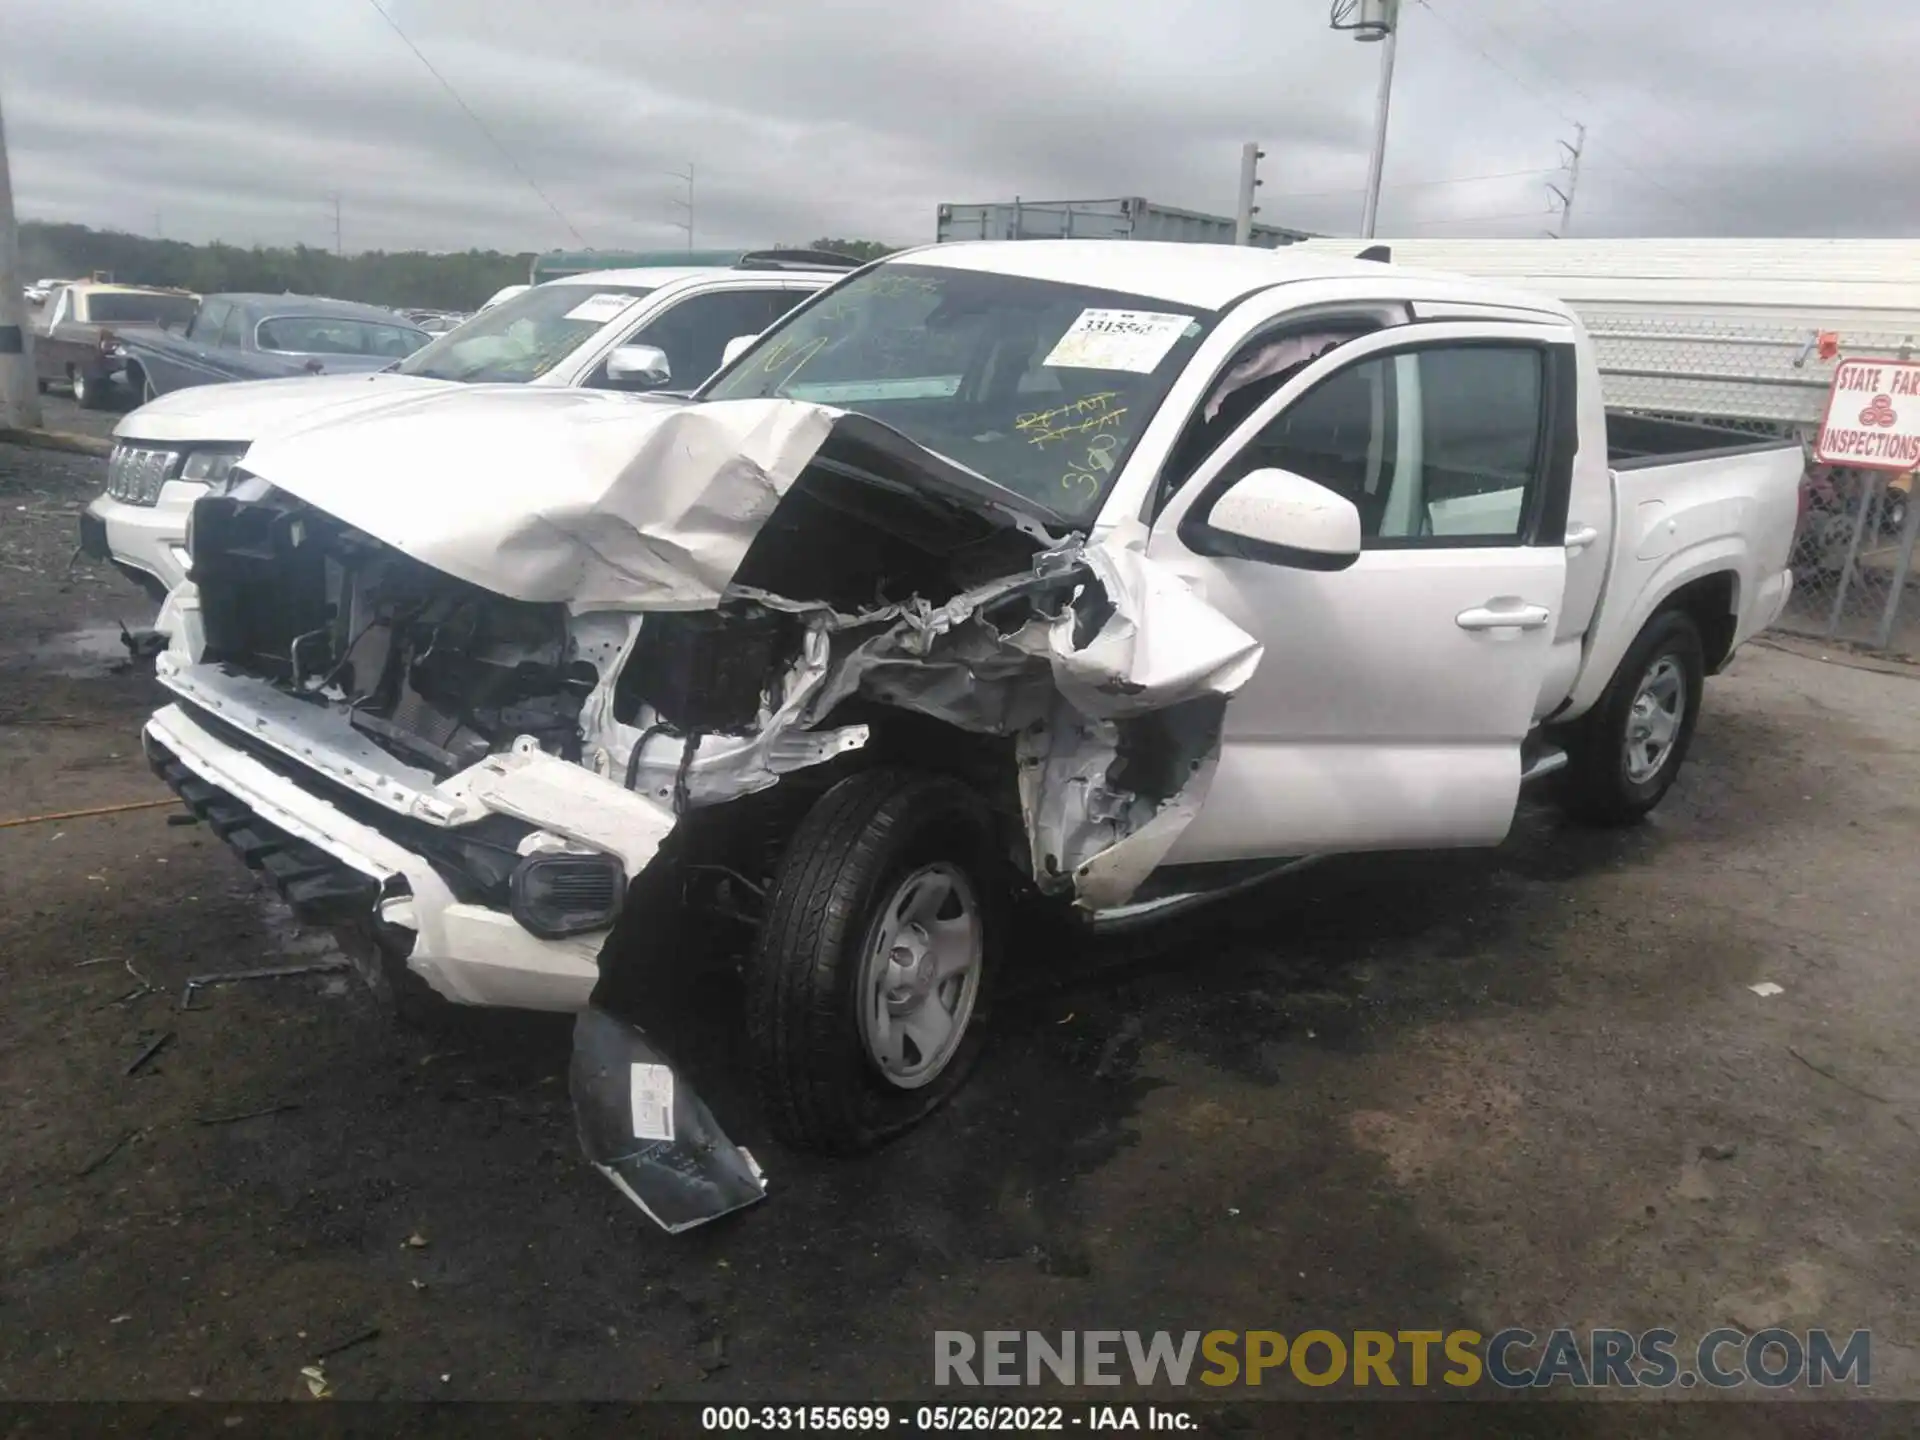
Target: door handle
[1483,617]
[1580,536]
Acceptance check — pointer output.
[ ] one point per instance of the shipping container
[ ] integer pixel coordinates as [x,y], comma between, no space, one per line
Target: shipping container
[1127,218]
[1741,330]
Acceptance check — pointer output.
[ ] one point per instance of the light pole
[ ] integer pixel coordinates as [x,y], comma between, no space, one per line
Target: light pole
[1371,21]
[19,395]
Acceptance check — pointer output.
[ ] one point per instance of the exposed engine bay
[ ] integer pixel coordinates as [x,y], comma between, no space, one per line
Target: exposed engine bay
[852,607]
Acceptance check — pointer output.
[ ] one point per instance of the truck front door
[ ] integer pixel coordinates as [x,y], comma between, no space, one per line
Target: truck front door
[1390,706]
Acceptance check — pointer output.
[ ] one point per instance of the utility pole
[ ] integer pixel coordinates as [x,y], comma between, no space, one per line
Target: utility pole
[19,395]
[335,198]
[1565,196]
[1385,15]
[1250,157]
[686,204]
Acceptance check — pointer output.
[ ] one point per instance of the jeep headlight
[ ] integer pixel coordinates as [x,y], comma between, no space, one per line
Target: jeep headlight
[211,467]
[135,473]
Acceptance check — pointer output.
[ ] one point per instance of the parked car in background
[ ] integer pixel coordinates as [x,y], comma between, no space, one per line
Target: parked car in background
[76,341]
[38,292]
[434,322]
[629,330]
[265,337]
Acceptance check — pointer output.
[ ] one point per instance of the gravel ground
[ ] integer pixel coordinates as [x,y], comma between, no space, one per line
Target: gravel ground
[1528,1086]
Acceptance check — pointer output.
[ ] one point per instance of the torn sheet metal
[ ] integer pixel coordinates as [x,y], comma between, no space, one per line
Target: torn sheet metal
[1159,643]
[645,1129]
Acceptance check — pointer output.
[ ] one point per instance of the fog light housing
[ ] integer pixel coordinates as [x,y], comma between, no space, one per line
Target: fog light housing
[557,895]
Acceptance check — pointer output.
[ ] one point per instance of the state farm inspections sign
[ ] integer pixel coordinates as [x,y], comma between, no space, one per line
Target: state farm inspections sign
[1873,416]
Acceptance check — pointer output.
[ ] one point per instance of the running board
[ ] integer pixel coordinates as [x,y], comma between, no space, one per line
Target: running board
[1549,759]
[1165,907]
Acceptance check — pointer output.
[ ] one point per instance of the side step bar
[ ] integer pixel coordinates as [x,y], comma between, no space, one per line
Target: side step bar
[1545,761]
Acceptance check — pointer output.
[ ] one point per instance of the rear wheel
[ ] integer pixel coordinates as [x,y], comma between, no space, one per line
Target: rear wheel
[88,394]
[867,988]
[1623,754]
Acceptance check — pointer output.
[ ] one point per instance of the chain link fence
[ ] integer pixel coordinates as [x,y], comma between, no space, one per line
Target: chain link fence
[1853,547]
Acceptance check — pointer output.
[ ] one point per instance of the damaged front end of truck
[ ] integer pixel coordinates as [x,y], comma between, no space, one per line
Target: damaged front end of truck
[488,675]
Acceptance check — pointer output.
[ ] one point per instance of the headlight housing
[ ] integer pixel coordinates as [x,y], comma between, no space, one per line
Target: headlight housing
[211,467]
[135,473]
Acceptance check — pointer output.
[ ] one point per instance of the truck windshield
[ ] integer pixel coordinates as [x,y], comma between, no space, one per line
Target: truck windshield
[521,339]
[1040,386]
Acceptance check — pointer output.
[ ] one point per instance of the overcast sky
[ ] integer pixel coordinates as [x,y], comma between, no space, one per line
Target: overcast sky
[239,119]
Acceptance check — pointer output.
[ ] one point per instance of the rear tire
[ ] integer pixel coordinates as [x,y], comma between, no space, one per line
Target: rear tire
[867,988]
[1624,754]
[89,394]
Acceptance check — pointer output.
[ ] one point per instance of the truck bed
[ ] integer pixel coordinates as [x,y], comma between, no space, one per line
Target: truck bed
[1635,441]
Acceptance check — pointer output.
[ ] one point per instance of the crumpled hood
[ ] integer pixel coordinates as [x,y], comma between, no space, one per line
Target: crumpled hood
[243,412]
[595,500]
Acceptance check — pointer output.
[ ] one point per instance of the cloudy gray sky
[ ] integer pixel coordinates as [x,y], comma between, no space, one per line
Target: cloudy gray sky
[238,119]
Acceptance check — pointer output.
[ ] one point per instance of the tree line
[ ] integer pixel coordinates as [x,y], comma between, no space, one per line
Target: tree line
[451,280]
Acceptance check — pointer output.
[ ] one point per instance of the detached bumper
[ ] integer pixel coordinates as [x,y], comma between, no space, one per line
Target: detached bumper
[331,866]
[640,1124]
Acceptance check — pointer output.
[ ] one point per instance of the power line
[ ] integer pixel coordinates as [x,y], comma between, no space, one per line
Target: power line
[479,124]
[1417,184]
[1475,219]
[1528,86]
[1474,46]
[1649,98]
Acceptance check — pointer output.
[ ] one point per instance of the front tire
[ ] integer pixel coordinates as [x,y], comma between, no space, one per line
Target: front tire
[867,988]
[1624,754]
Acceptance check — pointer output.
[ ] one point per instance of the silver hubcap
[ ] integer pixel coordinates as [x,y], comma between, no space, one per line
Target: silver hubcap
[1654,722]
[921,975]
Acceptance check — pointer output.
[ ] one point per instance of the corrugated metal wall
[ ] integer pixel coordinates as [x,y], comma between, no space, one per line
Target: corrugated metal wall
[1122,218]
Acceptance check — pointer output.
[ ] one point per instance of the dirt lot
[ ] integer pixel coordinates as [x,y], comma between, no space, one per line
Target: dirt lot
[1525,1087]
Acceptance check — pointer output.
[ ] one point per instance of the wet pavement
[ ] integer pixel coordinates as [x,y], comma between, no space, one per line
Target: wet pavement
[1528,1086]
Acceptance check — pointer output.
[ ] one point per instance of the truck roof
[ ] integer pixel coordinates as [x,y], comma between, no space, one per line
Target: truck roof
[104,287]
[1209,276]
[655,276]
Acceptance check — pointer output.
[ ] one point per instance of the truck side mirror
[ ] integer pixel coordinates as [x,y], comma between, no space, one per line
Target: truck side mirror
[735,348]
[1279,518]
[640,367]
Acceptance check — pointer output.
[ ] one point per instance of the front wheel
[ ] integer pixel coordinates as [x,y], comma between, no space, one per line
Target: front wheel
[866,992]
[1623,754]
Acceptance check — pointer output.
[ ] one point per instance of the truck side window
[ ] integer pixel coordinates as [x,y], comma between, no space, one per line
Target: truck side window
[695,332]
[1255,373]
[1440,445]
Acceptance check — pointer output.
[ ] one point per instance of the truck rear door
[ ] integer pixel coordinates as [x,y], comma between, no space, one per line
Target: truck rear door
[1393,697]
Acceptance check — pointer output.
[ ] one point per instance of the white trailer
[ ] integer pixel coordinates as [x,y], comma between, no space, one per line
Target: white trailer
[1722,330]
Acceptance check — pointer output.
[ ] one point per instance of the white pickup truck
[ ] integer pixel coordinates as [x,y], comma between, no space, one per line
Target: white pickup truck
[1101,576]
[627,330]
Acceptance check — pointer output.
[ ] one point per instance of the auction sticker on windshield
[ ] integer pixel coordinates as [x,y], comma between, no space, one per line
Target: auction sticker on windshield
[599,308]
[1118,340]
[1873,416]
